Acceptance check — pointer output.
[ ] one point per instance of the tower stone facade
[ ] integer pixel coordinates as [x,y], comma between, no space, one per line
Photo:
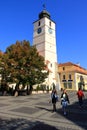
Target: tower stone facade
[44,37]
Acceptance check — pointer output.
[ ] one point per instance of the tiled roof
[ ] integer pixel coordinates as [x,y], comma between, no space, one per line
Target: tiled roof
[67,64]
[76,68]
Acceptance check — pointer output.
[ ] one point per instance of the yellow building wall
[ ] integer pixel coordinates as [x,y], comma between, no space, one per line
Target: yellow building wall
[75,77]
[78,80]
[67,80]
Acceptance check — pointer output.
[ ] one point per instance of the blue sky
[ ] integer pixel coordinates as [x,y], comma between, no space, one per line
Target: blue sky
[16,23]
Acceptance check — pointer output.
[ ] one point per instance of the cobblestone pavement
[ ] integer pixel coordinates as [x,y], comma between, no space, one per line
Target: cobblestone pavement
[35,111]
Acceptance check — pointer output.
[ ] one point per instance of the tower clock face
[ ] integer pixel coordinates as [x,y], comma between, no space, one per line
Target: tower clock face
[39,30]
[50,31]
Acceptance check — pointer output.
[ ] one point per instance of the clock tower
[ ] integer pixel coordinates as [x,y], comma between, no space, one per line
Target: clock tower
[44,38]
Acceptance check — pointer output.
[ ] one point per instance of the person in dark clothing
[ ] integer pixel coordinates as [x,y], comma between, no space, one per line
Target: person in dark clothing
[80,95]
[64,100]
[54,98]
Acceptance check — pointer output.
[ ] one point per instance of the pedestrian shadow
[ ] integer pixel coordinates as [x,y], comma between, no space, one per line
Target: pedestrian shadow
[44,108]
[75,114]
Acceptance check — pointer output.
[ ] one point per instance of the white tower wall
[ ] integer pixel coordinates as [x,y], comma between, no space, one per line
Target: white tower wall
[44,37]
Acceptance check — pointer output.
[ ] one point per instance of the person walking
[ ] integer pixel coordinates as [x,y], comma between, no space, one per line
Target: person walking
[80,95]
[64,101]
[54,99]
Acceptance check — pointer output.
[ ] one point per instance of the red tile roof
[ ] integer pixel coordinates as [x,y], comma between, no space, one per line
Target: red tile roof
[77,68]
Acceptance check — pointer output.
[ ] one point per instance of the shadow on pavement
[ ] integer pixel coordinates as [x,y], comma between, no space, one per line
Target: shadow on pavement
[22,124]
[75,114]
[42,126]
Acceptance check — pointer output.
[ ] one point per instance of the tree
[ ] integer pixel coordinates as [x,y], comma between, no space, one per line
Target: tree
[3,72]
[22,64]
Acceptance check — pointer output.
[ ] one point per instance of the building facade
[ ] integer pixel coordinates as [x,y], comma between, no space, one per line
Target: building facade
[67,75]
[44,38]
[72,76]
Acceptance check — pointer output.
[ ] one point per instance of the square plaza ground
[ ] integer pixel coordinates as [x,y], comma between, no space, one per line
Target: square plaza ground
[24,112]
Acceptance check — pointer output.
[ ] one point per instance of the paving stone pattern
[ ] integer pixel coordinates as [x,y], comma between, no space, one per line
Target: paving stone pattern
[35,111]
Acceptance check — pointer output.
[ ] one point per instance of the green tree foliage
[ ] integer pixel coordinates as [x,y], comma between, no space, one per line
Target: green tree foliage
[21,63]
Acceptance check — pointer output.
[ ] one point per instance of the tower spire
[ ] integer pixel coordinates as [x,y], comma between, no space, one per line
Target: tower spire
[44,13]
[44,6]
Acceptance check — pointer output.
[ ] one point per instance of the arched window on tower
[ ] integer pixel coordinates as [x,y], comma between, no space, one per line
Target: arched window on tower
[50,23]
[39,23]
[51,65]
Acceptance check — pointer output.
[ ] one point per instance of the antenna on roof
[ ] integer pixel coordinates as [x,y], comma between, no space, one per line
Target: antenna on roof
[78,64]
[44,6]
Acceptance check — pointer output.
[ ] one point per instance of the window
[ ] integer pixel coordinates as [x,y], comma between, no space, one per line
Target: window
[63,68]
[69,76]
[69,85]
[65,85]
[50,23]
[51,65]
[39,23]
[64,77]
